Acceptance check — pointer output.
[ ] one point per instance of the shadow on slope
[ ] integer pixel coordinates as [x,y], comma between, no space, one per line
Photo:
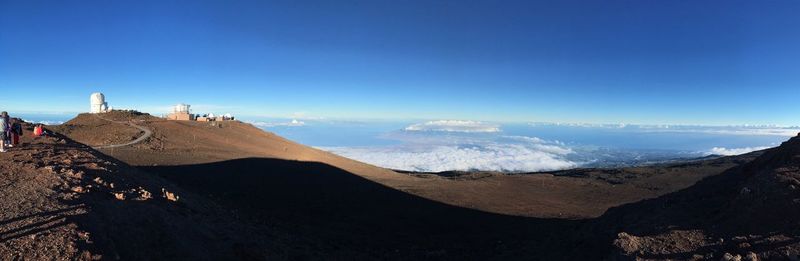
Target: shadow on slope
[332,213]
[99,203]
[749,208]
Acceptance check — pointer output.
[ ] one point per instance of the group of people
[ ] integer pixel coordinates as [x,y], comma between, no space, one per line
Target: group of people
[10,131]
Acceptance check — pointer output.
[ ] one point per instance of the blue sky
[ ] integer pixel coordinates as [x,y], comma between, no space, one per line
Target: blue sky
[689,62]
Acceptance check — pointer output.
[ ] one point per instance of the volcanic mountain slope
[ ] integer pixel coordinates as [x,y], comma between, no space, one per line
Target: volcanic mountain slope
[748,212]
[568,194]
[112,128]
[61,200]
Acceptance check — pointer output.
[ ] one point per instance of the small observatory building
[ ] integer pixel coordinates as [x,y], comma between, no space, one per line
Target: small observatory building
[97,103]
[181,113]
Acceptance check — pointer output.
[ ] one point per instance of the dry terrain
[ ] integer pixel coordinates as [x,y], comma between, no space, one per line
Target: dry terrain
[62,200]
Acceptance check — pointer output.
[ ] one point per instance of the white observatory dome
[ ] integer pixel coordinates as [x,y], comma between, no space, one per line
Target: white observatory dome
[97,102]
[98,98]
[182,108]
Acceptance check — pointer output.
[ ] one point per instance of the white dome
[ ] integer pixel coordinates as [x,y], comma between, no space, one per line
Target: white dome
[182,107]
[97,103]
[97,98]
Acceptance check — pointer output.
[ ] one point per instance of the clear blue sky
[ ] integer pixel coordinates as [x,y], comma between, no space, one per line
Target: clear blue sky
[696,62]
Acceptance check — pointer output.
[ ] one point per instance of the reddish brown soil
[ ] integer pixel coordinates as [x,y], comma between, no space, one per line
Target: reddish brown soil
[104,129]
[62,200]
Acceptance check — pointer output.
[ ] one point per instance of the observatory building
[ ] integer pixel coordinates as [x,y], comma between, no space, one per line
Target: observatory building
[98,104]
[181,113]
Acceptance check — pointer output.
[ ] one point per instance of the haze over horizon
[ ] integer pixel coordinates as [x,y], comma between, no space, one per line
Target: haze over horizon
[676,62]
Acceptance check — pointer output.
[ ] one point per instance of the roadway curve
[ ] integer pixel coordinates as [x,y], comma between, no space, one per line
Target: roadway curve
[147,134]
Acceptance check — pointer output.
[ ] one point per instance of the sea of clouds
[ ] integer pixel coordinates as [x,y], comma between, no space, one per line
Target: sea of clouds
[734,151]
[445,145]
[268,124]
[472,153]
[454,126]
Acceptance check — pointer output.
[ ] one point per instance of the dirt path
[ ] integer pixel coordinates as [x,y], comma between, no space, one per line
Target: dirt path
[147,134]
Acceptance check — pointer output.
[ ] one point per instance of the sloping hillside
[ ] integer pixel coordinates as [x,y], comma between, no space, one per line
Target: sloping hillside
[111,128]
[749,211]
[61,200]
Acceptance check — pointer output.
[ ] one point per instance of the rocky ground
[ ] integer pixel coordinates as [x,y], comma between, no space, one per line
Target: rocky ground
[61,200]
[748,212]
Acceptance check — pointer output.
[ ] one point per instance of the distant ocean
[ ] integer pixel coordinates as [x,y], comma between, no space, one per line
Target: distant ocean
[47,119]
[472,145]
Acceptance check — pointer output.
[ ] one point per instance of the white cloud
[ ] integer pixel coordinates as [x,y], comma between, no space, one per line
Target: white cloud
[454,126]
[45,122]
[786,132]
[293,123]
[736,151]
[738,131]
[743,130]
[530,154]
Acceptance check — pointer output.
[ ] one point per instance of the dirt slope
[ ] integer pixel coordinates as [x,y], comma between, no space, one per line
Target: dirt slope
[108,129]
[62,200]
[749,211]
[560,194]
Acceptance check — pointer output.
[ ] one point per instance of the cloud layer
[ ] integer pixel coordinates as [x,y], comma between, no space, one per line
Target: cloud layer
[454,126]
[45,122]
[742,130]
[293,123]
[736,151]
[521,154]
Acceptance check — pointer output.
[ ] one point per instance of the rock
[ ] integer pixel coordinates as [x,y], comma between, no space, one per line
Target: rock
[730,257]
[144,194]
[744,191]
[744,245]
[627,243]
[169,195]
[78,189]
[750,256]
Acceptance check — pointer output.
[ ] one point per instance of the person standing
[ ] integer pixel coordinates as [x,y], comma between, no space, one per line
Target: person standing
[16,132]
[3,130]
